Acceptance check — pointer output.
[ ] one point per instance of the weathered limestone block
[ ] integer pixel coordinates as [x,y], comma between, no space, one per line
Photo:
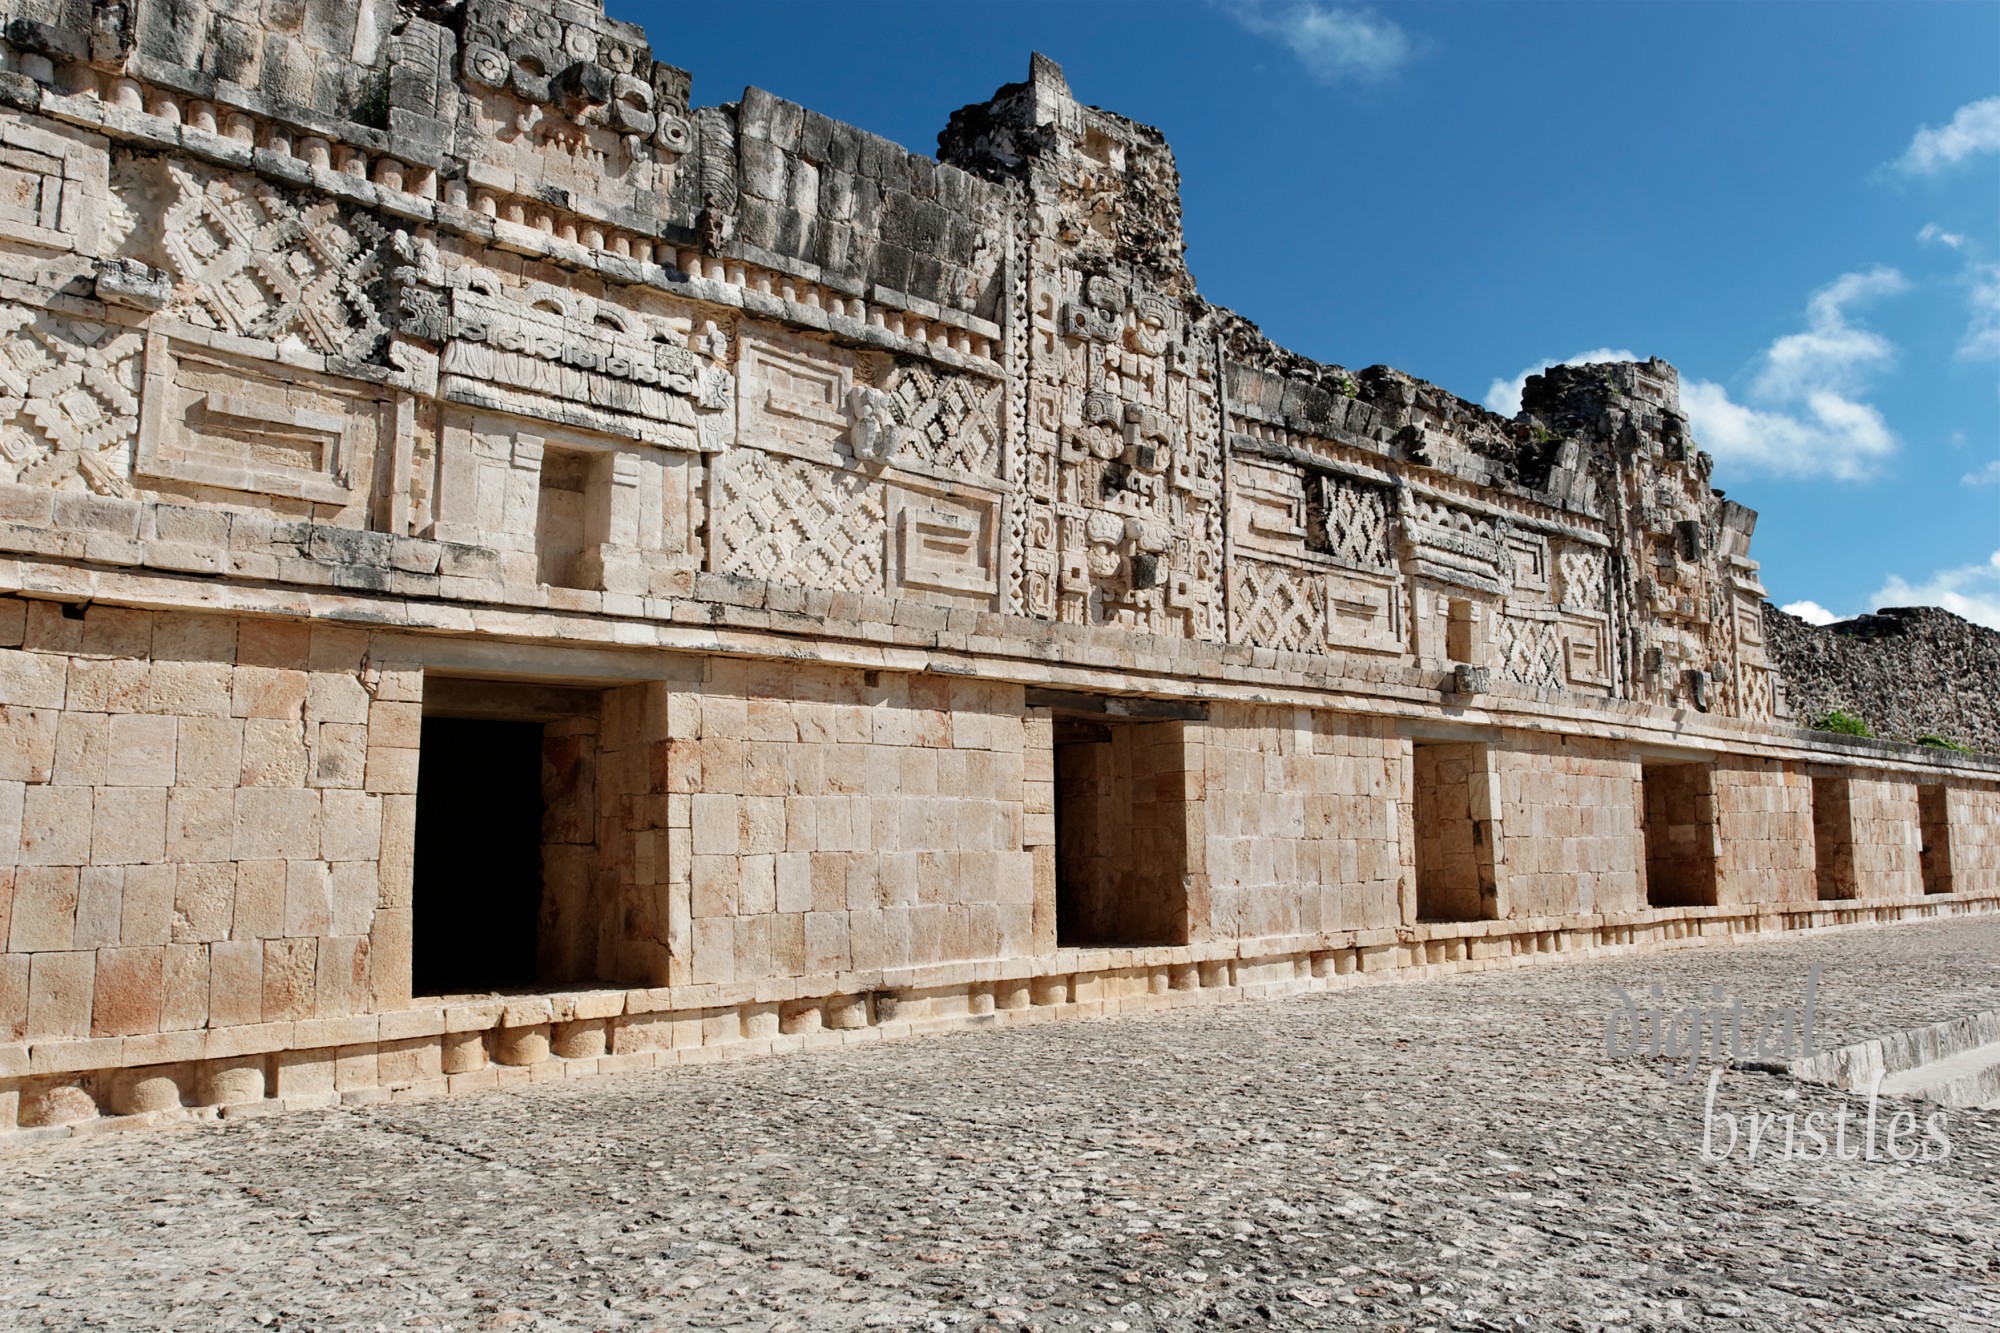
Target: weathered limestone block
[462,1052]
[137,1091]
[521,1045]
[45,1104]
[582,1039]
[231,1082]
[846,1013]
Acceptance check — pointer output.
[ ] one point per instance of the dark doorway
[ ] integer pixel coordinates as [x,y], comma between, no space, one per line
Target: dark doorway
[1456,879]
[478,882]
[1121,833]
[1677,814]
[1833,839]
[1934,819]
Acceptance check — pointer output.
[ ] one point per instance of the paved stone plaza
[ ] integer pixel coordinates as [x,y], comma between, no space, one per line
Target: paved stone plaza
[1449,1153]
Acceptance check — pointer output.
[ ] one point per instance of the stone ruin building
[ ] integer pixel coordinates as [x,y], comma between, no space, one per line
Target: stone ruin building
[510,575]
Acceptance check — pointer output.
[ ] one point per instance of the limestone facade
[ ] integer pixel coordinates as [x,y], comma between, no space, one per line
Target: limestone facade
[507,574]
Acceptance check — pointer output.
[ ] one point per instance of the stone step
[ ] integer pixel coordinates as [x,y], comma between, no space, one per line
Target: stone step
[1969,1079]
[1955,1063]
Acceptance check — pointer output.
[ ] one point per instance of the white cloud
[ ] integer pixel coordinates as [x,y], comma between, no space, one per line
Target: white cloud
[1335,45]
[1810,612]
[1986,476]
[1982,334]
[1828,355]
[1833,437]
[1933,232]
[1804,416]
[1504,396]
[1974,130]
[1972,591]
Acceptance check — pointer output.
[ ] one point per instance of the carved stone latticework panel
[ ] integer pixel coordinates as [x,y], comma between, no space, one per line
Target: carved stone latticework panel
[69,400]
[948,421]
[261,262]
[795,521]
[1352,523]
[1580,578]
[1531,651]
[1274,606]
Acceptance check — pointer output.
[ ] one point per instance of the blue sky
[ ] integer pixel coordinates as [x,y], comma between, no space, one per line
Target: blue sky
[1796,204]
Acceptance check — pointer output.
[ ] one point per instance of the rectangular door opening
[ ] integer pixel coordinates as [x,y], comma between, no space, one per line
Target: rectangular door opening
[1833,839]
[1934,819]
[1454,818]
[478,886]
[1121,833]
[1678,818]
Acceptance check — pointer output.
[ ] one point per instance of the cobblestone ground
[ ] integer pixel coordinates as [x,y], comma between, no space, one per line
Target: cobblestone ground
[1457,1153]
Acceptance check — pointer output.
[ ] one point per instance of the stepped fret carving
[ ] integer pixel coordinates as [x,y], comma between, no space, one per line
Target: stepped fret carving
[260,262]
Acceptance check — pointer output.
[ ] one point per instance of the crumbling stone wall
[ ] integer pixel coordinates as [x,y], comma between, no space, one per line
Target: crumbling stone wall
[361,358]
[1908,672]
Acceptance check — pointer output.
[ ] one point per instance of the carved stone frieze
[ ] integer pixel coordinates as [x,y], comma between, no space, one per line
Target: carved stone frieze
[69,400]
[252,259]
[651,370]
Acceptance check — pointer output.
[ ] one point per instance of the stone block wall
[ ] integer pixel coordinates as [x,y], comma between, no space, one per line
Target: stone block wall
[1569,808]
[1764,833]
[1974,814]
[800,466]
[827,821]
[1887,836]
[206,822]
[1304,816]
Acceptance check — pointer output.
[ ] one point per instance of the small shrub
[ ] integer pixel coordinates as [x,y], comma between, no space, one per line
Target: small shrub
[1843,722]
[1940,743]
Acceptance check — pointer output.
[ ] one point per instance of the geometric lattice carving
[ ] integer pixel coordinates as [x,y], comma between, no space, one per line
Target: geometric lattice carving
[69,400]
[1582,571]
[1754,693]
[258,261]
[949,421]
[1279,607]
[798,522]
[1531,651]
[1351,523]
